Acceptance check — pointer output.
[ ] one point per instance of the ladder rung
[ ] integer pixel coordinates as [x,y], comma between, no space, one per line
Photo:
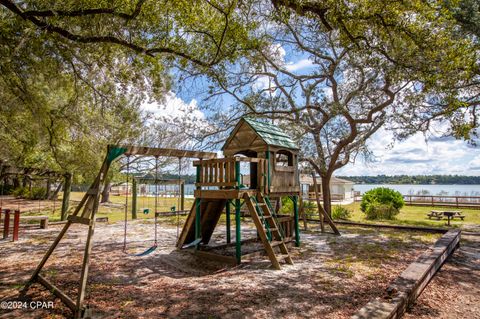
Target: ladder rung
[275,243]
[273,229]
[282,257]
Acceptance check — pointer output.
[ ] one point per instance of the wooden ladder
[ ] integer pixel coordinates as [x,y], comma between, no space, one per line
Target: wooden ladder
[268,229]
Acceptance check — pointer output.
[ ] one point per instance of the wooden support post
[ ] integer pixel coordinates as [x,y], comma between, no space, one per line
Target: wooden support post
[16,224]
[134,198]
[227,217]
[66,195]
[198,218]
[238,239]
[6,223]
[198,205]
[295,216]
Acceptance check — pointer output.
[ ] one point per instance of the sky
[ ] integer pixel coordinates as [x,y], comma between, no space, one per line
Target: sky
[413,156]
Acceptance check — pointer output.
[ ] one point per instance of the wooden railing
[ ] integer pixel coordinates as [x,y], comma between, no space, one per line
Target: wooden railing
[438,200]
[432,200]
[225,172]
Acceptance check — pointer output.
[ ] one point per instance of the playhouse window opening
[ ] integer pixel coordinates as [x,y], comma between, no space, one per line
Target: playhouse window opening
[283,159]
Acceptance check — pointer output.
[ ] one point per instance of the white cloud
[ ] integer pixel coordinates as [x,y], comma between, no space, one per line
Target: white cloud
[416,156]
[299,65]
[474,164]
[174,108]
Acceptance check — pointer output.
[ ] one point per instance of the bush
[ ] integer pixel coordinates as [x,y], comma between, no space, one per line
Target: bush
[21,192]
[38,193]
[381,203]
[340,212]
[34,193]
[381,211]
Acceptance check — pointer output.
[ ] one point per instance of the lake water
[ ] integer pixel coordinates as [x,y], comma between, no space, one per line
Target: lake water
[458,190]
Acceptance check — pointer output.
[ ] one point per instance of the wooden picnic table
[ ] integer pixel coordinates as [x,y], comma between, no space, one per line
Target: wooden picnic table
[449,214]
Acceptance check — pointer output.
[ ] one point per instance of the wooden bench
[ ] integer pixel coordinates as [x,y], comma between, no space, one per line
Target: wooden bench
[435,214]
[438,214]
[101,219]
[458,214]
[43,220]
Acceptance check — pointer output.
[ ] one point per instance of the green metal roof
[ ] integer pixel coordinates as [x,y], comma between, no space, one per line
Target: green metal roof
[271,134]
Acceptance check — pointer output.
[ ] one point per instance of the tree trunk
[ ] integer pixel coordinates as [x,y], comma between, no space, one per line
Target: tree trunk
[106,191]
[54,195]
[66,195]
[49,192]
[327,199]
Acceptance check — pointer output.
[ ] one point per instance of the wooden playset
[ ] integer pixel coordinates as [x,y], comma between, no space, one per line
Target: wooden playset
[272,160]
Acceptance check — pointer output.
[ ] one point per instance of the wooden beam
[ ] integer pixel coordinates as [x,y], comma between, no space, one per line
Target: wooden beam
[80,220]
[167,152]
[57,292]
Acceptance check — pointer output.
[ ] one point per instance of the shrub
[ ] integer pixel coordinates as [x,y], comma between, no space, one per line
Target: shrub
[34,193]
[21,192]
[381,211]
[38,193]
[381,203]
[340,212]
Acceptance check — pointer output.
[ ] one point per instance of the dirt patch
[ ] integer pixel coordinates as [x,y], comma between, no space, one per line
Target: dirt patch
[332,276]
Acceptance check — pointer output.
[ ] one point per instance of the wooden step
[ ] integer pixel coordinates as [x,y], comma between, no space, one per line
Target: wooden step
[285,258]
[275,243]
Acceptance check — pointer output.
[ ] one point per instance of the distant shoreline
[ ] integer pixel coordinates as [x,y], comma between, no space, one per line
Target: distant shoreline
[414,180]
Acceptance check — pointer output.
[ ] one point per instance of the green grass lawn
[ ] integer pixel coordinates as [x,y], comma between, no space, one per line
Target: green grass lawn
[409,215]
[417,216]
[116,212]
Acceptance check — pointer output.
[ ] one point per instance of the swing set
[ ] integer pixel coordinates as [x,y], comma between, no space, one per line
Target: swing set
[146,210]
[85,213]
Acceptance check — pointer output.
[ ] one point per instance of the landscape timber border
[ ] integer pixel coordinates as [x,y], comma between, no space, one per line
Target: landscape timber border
[399,227]
[406,288]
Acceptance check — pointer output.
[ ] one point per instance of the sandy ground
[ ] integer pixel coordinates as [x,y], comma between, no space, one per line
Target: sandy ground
[332,276]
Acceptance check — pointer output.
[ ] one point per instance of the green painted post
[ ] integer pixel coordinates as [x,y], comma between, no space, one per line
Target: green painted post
[66,195]
[182,196]
[134,198]
[237,174]
[227,213]
[295,216]
[267,156]
[238,239]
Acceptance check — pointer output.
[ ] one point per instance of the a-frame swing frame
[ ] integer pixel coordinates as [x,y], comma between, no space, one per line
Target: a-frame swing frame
[88,207]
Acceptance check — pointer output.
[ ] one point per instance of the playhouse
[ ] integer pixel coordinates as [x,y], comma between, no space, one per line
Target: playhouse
[269,158]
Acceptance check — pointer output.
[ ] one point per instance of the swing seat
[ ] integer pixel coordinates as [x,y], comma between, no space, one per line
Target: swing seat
[146,211]
[193,243]
[146,252]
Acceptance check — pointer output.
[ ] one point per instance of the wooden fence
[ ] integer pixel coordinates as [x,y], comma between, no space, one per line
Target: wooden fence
[472,202]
